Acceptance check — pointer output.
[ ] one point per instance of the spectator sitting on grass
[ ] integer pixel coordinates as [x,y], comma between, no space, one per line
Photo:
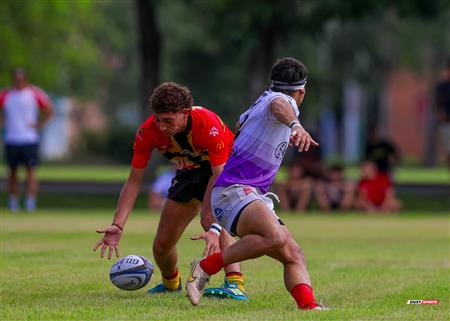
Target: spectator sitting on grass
[443,110]
[159,189]
[335,192]
[295,193]
[375,191]
[382,151]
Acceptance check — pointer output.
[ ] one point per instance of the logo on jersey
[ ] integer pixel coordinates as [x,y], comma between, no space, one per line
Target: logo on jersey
[247,190]
[281,150]
[213,132]
[219,212]
[220,145]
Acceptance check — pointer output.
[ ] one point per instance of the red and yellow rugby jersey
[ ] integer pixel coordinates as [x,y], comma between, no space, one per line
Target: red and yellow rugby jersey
[206,140]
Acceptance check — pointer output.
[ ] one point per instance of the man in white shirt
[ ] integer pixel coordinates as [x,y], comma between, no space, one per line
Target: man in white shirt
[25,109]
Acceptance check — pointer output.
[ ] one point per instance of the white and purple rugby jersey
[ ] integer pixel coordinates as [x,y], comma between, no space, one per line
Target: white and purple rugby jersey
[259,146]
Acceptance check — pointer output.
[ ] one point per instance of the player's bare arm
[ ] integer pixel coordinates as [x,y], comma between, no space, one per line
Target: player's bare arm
[45,115]
[284,113]
[210,235]
[127,198]
[207,218]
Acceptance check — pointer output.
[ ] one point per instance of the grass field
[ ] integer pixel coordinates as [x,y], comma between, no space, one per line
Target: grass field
[118,173]
[363,268]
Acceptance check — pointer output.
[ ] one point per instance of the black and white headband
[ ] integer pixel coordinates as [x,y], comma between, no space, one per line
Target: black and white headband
[288,85]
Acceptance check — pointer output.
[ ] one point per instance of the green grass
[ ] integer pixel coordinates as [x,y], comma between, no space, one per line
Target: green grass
[85,201]
[363,267]
[91,173]
[118,173]
[416,175]
[419,175]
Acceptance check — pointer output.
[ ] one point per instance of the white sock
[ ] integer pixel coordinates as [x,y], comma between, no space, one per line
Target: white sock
[13,203]
[30,203]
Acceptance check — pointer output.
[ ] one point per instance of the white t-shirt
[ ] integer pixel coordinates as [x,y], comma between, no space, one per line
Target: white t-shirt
[21,109]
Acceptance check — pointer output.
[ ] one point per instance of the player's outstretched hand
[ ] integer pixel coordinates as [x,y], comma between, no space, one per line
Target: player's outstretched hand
[212,242]
[301,139]
[110,239]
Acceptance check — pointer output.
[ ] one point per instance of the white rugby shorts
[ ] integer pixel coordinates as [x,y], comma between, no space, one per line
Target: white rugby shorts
[228,202]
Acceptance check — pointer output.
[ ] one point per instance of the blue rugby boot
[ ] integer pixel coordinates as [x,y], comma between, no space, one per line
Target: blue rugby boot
[228,290]
[161,289]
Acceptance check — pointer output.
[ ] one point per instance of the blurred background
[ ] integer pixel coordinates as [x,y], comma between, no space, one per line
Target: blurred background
[371,64]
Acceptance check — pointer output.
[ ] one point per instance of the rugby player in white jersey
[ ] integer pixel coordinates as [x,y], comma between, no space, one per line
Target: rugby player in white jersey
[239,197]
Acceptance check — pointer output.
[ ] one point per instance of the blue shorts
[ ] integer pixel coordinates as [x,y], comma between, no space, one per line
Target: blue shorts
[21,155]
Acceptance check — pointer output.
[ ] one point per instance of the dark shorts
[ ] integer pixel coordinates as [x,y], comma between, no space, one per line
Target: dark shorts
[189,183]
[21,155]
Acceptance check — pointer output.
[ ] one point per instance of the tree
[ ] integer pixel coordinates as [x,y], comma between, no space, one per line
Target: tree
[74,48]
[150,50]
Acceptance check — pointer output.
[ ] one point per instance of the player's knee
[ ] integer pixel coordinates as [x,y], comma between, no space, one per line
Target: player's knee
[277,241]
[159,248]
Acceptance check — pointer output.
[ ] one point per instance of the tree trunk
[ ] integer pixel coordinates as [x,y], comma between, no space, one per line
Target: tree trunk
[150,47]
[260,64]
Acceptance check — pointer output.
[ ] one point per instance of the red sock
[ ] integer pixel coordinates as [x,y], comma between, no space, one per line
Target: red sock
[304,296]
[171,276]
[213,263]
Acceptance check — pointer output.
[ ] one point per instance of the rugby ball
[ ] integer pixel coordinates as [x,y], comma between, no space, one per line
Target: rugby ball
[131,272]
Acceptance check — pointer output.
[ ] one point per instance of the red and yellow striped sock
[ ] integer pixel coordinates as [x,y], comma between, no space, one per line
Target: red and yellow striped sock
[172,282]
[237,278]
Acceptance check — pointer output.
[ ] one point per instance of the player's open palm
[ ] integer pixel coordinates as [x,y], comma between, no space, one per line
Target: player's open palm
[211,242]
[109,241]
[301,139]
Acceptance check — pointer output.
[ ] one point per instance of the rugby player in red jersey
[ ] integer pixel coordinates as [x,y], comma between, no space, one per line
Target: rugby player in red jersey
[198,141]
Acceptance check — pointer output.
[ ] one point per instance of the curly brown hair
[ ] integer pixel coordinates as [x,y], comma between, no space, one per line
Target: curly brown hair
[170,97]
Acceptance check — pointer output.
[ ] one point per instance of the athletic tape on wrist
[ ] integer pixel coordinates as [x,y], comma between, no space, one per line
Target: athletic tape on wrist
[293,123]
[215,228]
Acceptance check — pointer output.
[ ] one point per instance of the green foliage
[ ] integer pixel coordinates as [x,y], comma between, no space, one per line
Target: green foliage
[88,48]
[116,143]
[364,268]
[76,48]
[210,45]
[45,37]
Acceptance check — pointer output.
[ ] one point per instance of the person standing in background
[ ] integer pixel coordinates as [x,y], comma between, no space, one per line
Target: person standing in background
[443,110]
[25,109]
